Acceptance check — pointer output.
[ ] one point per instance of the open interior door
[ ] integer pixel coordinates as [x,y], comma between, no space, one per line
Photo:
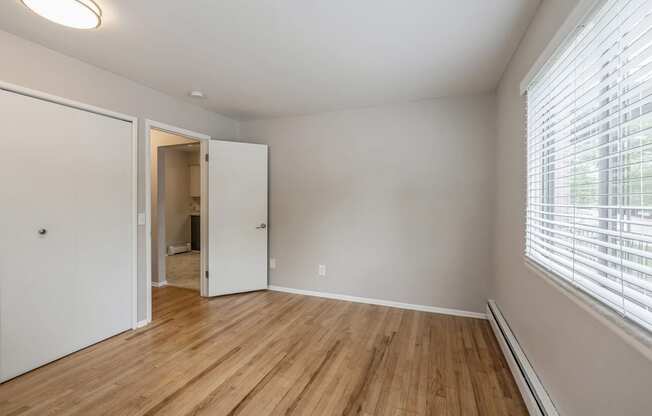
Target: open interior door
[237,217]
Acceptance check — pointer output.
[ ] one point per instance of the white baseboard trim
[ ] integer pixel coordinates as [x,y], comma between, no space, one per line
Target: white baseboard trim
[534,394]
[391,304]
[141,324]
[160,284]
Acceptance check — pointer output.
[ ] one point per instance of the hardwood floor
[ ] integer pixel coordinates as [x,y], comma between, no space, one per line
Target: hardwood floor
[275,353]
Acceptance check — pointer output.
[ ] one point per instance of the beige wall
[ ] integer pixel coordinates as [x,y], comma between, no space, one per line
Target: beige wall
[587,369]
[395,201]
[39,68]
[177,196]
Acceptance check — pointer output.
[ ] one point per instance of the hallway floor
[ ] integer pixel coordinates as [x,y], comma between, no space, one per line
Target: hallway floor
[183,270]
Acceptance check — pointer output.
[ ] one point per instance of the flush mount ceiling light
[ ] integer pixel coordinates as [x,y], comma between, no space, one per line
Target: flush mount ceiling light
[78,14]
[196,94]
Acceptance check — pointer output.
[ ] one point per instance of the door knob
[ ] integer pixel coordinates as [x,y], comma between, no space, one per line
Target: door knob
[42,231]
[262,226]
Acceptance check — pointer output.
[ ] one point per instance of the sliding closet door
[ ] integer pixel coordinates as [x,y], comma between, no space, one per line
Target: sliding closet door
[65,231]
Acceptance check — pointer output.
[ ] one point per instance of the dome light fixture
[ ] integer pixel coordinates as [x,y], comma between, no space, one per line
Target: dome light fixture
[78,14]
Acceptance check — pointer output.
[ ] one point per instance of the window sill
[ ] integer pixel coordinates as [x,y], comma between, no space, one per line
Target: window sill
[634,335]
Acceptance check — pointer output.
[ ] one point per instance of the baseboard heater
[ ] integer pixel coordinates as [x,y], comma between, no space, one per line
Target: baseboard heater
[178,248]
[534,394]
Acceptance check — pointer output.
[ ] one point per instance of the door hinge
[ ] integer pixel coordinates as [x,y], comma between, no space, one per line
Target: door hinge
[207,157]
[207,274]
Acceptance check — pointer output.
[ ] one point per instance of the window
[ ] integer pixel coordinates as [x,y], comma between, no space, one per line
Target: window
[589,160]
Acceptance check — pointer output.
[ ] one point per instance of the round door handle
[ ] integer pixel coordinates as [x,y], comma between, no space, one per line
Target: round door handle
[262,226]
[42,231]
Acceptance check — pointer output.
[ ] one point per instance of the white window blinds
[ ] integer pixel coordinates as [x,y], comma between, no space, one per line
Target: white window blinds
[589,160]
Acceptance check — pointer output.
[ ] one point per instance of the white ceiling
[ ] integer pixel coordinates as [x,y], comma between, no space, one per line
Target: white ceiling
[267,58]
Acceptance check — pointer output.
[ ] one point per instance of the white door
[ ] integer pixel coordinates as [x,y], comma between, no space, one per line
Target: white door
[66,223]
[237,217]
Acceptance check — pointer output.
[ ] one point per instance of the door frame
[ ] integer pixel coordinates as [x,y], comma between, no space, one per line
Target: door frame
[40,95]
[203,139]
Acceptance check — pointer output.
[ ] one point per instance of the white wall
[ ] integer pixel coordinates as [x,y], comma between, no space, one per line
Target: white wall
[587,368]
[33,66]
[395,201]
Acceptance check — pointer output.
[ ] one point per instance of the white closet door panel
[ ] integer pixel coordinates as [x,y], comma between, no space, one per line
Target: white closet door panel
[70,172]
[237,217]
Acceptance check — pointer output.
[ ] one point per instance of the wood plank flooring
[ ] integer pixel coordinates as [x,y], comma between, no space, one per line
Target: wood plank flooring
[270,353]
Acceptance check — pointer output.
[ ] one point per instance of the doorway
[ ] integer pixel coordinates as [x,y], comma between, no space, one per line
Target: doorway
[176,216]
[233,201]
[176,189]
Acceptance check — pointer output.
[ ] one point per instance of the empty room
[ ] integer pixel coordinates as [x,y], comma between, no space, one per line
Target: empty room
[326,207]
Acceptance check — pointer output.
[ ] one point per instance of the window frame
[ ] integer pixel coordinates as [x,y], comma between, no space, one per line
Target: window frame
[634,333]
[631,332]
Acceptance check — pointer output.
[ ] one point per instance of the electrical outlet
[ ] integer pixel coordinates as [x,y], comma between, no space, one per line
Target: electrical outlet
[322,270]
[272,263]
